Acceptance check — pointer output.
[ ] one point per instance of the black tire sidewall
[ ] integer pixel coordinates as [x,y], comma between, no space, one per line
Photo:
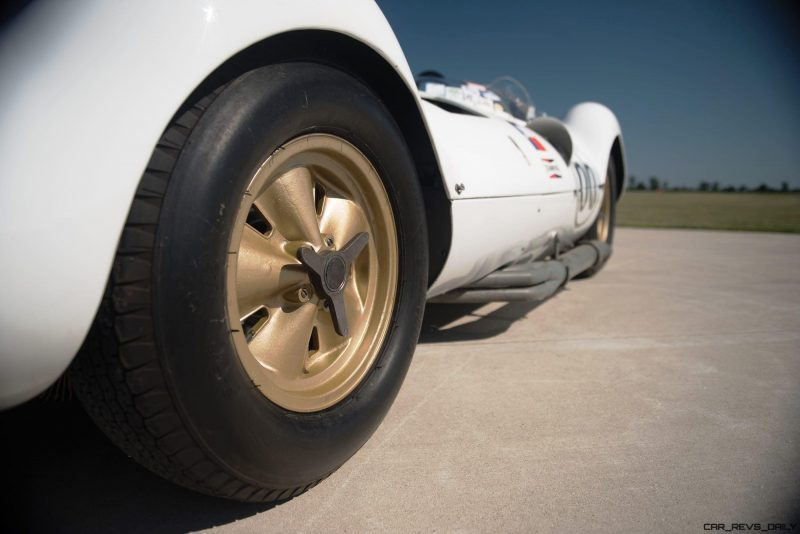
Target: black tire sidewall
[611,176]
[254,439]
[612,219]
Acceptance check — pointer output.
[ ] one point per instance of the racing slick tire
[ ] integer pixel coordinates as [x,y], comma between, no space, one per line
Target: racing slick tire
[268,289]
[603,227]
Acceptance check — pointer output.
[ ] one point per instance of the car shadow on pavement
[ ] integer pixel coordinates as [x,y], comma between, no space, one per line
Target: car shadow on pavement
[64,475]
[471,322]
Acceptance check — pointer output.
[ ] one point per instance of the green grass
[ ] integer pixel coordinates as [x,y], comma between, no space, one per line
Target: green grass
[755,212]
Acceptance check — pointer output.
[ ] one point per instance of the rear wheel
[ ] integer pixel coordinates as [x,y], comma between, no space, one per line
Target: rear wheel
[268,289]
[603,227]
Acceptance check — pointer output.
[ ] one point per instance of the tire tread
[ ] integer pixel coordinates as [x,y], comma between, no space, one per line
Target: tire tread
[117,374]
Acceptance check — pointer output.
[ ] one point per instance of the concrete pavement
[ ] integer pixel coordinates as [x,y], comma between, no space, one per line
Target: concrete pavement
[661,395]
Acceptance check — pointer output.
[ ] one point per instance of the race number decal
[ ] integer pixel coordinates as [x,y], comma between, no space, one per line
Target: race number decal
[586,192]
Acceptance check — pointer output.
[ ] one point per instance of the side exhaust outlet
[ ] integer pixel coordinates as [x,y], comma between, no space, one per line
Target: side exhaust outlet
[533,281]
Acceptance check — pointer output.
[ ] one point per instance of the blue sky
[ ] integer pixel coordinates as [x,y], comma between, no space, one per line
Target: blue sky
[704,89]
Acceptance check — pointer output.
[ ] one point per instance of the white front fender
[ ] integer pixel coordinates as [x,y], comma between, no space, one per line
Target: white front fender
[86,88]
[596,129]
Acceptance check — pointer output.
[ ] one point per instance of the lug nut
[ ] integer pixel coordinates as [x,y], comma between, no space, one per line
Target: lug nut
[303,295]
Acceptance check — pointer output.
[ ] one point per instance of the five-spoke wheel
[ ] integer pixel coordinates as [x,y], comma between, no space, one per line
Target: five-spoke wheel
[312,272]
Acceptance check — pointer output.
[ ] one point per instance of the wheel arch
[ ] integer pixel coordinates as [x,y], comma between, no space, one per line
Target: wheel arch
[358,59]
[111,94]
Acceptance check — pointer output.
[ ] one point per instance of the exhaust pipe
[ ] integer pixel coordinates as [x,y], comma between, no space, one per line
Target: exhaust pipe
[531,282]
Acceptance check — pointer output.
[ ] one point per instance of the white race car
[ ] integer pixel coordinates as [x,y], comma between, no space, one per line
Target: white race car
[226,218]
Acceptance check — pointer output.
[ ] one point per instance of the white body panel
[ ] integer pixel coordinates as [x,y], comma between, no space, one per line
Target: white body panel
[86,88]
[495,231]
[489,156]
[510,205]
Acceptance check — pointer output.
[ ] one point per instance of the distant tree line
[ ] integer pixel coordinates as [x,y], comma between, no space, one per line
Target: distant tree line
[656,184]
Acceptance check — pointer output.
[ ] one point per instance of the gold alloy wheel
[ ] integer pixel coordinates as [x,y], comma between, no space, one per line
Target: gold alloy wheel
[308,331]
[604,217]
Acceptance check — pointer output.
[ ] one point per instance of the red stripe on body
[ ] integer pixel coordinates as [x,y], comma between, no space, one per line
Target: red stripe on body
[535,142]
